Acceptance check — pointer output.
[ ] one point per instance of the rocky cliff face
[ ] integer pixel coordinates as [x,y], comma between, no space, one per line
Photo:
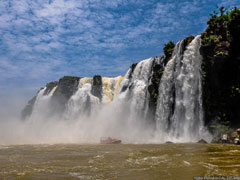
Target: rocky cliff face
[61,91]
[97,86]
[221,69]
[66,87]
[27,111]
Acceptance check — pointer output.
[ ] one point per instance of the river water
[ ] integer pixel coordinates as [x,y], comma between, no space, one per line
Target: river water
[125,161]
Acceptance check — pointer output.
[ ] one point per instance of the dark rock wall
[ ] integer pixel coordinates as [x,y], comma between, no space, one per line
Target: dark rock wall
[67,86]
[126,86]
[221,71]
[157,71]
[27,111]
[97,86]
[49,87]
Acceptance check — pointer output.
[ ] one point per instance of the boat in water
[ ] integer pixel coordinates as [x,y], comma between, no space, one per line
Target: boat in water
[109,140]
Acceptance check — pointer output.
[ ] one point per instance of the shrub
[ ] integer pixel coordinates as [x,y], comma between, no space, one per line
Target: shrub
[168,49]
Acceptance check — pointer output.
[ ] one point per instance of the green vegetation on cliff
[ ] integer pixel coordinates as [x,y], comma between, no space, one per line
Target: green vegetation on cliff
[168,49]
[221,69]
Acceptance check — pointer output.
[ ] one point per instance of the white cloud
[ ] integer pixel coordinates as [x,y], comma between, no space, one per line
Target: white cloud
[229,3]
[189,7]
[57,7]
[42,40]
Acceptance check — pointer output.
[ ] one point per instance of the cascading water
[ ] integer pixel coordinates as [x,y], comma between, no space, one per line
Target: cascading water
[84,103]
[80,103]
[42,105]
[187,118]
[136,84]
[110,88]
[179,110]
[119,106]
[165,99]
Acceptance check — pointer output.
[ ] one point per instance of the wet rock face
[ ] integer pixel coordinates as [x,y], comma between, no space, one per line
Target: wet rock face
[153,87]
[67,86]
[132,68]
[157,72]
[187,41]
[50,86]
[27,111]
[97,86]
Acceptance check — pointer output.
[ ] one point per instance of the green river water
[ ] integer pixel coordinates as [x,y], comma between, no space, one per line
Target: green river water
[125,161]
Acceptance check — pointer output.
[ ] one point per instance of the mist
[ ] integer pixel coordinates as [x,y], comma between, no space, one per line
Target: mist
[42,127]
[112,120]
[75,125]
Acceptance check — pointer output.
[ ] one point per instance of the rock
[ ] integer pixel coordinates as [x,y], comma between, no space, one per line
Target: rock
[153,89]
[67,86]
[133,66]
[27,111]
[49,87]
[97,86]
[187,41]
[216,140]
[202,141]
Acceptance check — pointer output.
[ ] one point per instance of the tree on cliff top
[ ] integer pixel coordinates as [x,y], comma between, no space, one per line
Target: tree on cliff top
[168,49]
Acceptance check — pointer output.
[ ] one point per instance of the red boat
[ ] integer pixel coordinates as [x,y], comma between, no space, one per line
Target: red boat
[108,140]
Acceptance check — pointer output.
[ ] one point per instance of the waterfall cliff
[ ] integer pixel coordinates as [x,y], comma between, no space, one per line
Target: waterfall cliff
[156,101]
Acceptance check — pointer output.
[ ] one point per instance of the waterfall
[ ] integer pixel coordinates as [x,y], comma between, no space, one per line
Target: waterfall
[165,99]
[42,105]
[179,110]
[119,106]
[111,88]
[82,101]
[136,83]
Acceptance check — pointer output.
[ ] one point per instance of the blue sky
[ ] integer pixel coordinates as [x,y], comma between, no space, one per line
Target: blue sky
[42,40]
